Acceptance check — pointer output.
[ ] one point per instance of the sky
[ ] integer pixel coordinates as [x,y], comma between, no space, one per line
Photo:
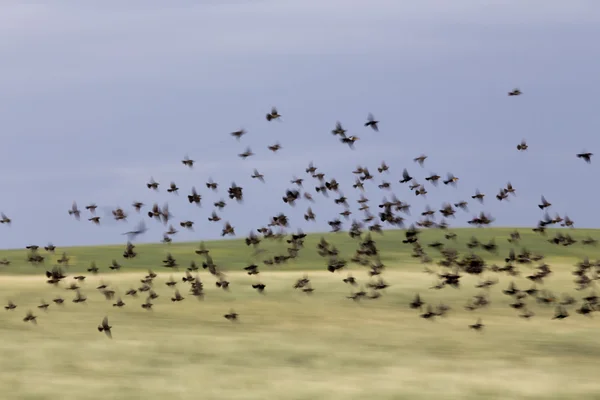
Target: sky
[97,97]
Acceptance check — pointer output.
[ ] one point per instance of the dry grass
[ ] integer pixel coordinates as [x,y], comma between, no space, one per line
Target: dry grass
[289,345]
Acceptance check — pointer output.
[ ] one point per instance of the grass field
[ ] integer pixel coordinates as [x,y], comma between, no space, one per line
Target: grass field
[291,345]
[233,255]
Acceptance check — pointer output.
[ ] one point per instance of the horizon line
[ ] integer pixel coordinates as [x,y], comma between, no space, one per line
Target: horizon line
[223,239]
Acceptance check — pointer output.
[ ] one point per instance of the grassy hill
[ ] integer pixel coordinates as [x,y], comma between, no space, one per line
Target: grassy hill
[235,254]
[341,349]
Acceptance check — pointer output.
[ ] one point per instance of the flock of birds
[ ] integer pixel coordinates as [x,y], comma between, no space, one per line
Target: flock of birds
[367,254]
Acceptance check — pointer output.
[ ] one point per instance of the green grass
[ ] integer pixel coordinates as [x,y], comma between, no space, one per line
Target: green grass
[234,254]
[289,345]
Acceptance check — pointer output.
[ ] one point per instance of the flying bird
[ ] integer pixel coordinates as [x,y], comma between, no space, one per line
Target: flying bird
[587,157]
[372,122]
[105,327]
[273,114]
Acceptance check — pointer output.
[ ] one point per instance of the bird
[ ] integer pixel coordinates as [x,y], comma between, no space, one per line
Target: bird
[187,162]
[246,153]
[212,185]
[4,219]
[545,204]
[274,114]
[29,317]
[350,140]
[275,147]
[339,130]
[478,195]
[177,296]
[119,303]
[420,160]
[238,134]
[560,313]
[105,327]
[477,325]
[137,206]
[515,92]
[139,230]
[231,316]
[258,175]
[152,184]
[587,157]
[74,211]
[372,122]
[194,197]
[172,188]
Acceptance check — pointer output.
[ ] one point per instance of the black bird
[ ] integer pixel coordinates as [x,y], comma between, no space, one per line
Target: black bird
[231,316]
[139,230]
[587,157]
[405,176]
[274,114]
[238,134]
[194,197]
[372,122]
[339,130]
[515,92]
[545,203]
[560,313]
[30,317]
[477,325]
[105,327]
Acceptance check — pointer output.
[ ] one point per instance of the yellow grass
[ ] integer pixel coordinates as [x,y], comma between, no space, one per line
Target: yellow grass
[289,345]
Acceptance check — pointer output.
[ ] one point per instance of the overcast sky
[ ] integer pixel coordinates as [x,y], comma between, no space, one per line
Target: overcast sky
[96,97]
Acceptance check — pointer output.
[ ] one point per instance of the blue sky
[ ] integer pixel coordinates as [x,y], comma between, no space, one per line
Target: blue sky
[96,97]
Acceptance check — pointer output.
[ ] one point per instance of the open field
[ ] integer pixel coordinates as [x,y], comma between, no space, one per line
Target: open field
[290,345]
[233,255]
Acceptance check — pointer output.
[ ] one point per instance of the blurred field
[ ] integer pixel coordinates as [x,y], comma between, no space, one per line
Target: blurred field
[232,255]
[290,345]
